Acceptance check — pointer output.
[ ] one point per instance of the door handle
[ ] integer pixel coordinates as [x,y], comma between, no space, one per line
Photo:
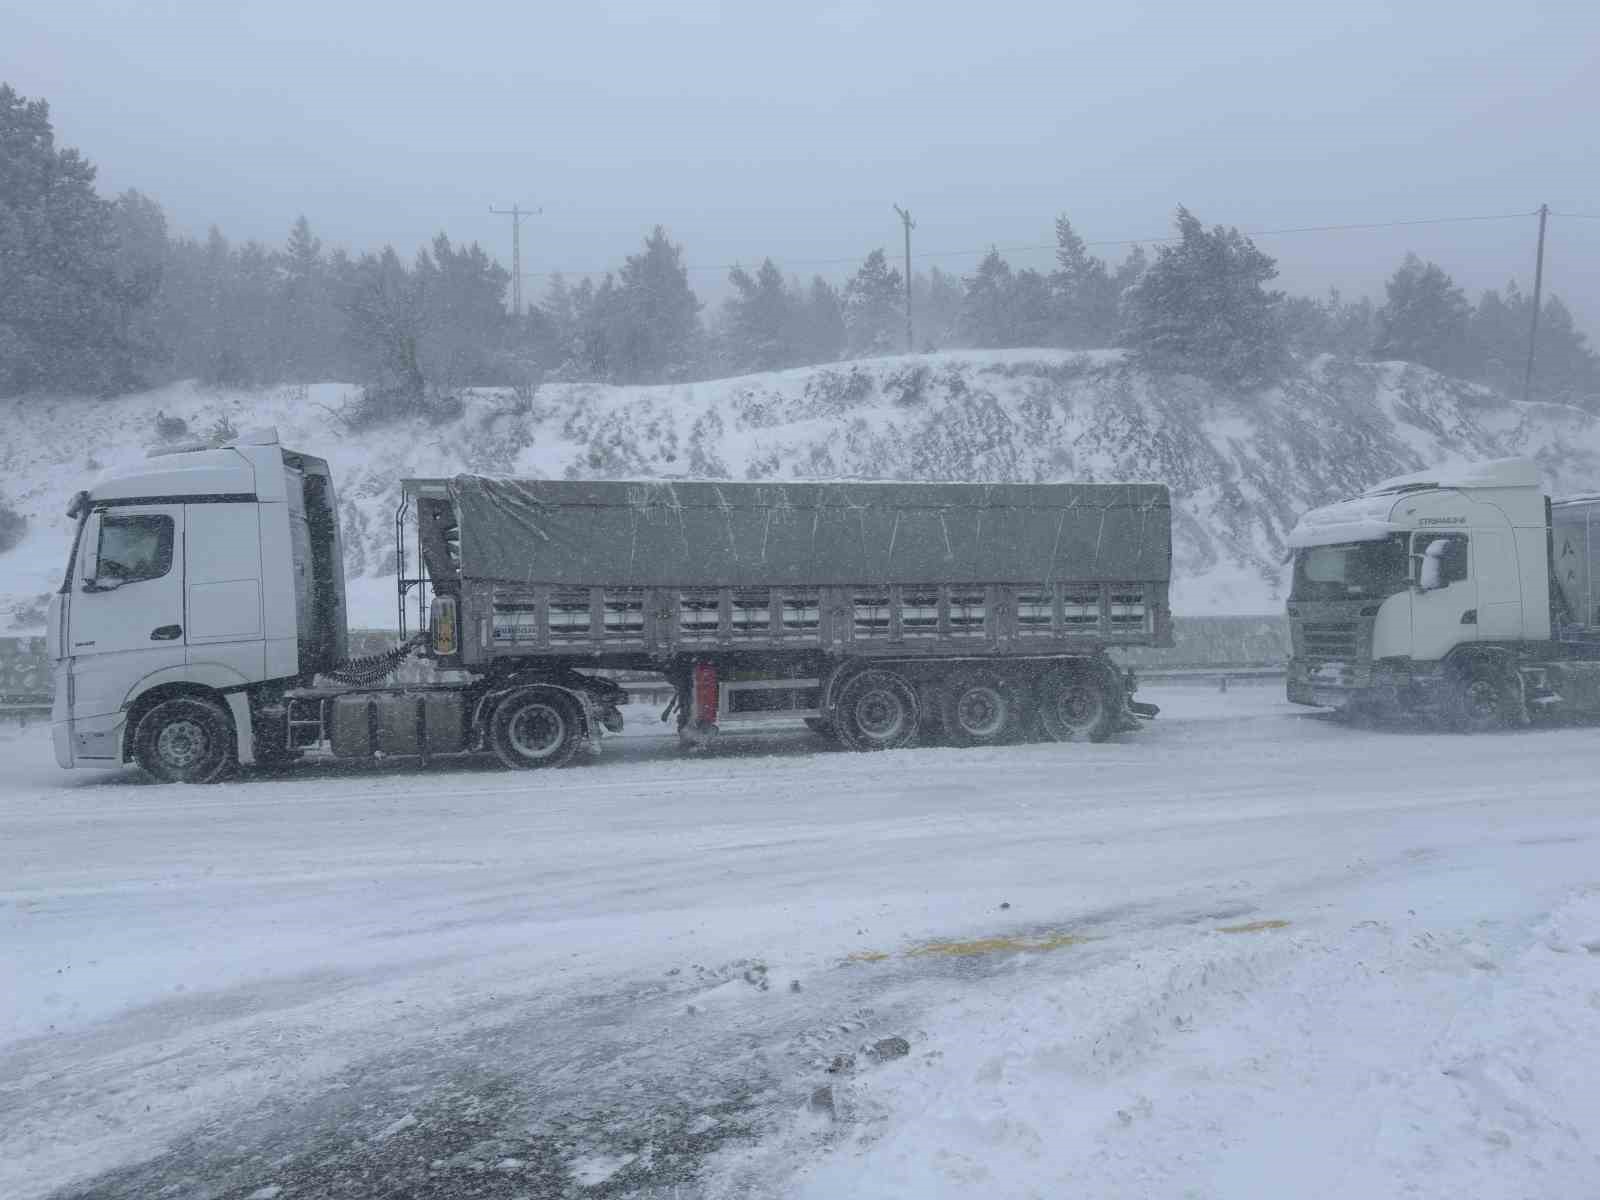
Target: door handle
[166,633]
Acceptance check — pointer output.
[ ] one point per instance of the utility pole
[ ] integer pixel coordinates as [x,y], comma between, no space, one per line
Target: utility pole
[1538,286]
[518,216]
[905,219]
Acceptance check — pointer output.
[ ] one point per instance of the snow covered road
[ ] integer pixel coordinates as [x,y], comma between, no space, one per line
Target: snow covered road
[1244,951]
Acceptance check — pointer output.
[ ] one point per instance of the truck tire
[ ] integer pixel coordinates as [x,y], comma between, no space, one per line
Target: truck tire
[979,708]
[536,727]
[1075,703]
[1480,698]
[876,710]
[187,739]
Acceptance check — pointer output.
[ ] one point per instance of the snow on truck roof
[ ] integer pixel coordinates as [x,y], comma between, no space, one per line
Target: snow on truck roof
[193,469]
[1493,473]
[1368,517]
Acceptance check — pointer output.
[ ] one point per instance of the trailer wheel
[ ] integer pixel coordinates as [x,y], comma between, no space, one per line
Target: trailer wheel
[185,740]
[1480,699]
[1075,704]
[536,727]
[978,708]
[876,710]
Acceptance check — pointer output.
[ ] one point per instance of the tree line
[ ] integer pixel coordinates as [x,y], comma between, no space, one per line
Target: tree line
[97,295]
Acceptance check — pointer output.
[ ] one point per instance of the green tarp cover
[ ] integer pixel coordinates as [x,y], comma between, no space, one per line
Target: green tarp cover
[620,534]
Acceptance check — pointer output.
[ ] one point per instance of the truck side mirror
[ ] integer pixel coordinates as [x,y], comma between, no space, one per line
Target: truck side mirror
[1431,573]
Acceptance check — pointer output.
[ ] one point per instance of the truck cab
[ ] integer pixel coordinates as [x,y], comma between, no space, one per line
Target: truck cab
[1397,591]
[193,580]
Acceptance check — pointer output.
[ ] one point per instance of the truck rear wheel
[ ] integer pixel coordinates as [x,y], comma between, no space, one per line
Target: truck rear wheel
[978,708]
[1075,704]
[536,727]
[876,710]
[187,739]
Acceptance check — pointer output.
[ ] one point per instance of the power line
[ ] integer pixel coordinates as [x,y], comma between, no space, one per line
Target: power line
[1137,241]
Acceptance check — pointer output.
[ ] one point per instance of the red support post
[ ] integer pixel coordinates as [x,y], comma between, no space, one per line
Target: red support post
[704,713]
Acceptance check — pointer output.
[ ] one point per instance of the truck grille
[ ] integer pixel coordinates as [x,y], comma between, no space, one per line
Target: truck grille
[1330,639]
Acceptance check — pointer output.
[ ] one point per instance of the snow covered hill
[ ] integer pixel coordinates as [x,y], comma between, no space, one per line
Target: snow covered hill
[1242,466]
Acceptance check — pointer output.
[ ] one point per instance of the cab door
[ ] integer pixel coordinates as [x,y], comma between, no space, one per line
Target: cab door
[1444,606]
[125,615]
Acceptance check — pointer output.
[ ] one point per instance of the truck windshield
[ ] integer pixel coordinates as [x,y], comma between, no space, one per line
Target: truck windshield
[1356,570]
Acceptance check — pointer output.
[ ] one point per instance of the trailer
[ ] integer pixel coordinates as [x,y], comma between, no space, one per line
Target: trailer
[881,614]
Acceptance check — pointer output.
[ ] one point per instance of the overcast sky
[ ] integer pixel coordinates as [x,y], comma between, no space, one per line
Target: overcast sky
[788,130]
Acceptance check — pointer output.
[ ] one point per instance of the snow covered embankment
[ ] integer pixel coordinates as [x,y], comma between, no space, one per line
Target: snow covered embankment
[1242,467]
[1380,1060]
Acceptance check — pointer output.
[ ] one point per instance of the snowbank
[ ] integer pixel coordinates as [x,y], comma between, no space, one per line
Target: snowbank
[1242,467]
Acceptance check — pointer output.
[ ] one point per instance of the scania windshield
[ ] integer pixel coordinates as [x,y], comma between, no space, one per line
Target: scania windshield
[1355,570]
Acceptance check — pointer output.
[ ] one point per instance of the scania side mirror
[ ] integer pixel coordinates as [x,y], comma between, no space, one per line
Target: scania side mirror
[1430,575]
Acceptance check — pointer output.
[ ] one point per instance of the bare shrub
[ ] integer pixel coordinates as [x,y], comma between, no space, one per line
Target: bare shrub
[12,526]
[170,429]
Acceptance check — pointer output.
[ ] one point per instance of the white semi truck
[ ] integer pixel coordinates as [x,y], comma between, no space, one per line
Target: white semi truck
[1461,592]
[201,621]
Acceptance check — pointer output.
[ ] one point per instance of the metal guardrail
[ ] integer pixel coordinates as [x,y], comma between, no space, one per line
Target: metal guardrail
[1224,649]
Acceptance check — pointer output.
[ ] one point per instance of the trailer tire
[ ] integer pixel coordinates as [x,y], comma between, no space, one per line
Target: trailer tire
[876,710]
[1075,703]
[1480,698]
[979,708]
[536,727]
[187,739]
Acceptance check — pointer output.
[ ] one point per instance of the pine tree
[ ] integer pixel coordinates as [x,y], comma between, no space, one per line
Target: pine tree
[762,319]
[1566,369]
[936,300]
[1497,336]
[1084,293]
[306,320]
[1203,307]
[465,323]
[1129,271]
[63,307]
[384,306]
[822,327]
[986,317]
[1424,319]
[653,320]
[140,254]
[874,307]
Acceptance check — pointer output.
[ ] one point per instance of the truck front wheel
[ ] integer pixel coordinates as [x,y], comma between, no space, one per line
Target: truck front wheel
[1480,699]
[538,727]
[185,740]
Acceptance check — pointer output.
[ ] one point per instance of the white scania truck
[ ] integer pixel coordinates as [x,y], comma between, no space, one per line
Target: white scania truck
[201,620]
[1462,592]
